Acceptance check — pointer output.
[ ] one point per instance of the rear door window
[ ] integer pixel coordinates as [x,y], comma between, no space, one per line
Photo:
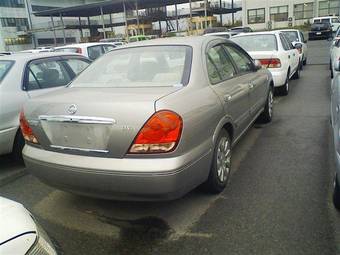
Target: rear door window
[285,44]
[44,74]
[242,61]
[5,66]
[219,65]
[95,52]
[108,47]
[77,65]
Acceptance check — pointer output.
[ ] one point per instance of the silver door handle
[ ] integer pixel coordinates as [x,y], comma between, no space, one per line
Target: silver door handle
[227,98]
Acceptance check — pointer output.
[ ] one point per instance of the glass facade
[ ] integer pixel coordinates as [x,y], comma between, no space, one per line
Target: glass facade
[304,11]
[14,22]
[279,13]
[330,7]
[256,16]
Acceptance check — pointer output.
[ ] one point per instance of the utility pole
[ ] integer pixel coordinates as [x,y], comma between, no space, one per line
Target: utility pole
[28,10]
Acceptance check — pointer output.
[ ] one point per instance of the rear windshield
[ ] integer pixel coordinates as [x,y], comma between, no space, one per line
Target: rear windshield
[149,66]
[5,66]
[260,42]
[72,50]
[318,26]
[291,35]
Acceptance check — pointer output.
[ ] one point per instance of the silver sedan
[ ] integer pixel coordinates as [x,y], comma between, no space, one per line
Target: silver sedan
[148,121]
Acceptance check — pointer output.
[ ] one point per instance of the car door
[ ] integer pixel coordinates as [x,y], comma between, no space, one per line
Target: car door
[257,79]
[232,90]
[290,53]
[304,45]
[46,75]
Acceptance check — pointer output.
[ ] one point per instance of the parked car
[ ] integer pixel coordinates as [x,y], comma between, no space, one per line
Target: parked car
[169,112]
[89,50]
[115,41]
[24,76]
[334,21]
[276,53]
[226,35]
[20,234]
[335,121]
[241,29]
[320,31]
[138,38]
[335,55]
[296,36]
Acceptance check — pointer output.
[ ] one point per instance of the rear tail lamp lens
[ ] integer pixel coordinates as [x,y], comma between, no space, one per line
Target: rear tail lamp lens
[271,63]
[160,134]
[27,130]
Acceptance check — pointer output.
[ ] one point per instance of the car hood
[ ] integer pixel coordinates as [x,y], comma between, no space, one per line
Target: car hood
[15,220]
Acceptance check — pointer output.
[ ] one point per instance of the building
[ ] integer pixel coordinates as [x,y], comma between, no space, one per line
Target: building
[273,14]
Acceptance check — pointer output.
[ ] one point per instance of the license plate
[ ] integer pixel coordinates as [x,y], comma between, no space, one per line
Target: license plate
[318,33]
[82,136]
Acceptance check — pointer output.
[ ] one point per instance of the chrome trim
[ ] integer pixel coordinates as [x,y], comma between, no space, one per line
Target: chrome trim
[77,119]
[77,149]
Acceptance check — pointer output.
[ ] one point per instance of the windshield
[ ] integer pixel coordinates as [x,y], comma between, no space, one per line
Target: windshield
[291,35]
[260,42]
[5,66]
[150,66]
[318,26]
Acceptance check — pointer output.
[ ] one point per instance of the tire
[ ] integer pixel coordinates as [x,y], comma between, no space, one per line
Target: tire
[219,175]
[336,194]
[267,114]
[304,62]
[284,89]
[296,75]
[18,145]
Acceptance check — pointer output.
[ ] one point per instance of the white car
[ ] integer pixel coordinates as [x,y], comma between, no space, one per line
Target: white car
[20,234]
[23,76]
[276,53]
[89,50]
[335,55]
[296,36]
[333,20]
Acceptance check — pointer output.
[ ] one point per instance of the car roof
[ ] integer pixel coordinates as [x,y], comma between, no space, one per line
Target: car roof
[80,45]
[275,32]
[193,41]
[31,56]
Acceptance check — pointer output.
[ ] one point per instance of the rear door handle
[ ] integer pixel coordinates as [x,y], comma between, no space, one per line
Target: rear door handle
[227,97]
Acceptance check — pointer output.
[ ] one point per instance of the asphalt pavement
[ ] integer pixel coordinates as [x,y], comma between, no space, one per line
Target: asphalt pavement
[278,200]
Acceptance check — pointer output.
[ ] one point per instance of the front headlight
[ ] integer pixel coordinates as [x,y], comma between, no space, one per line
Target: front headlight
[42,245]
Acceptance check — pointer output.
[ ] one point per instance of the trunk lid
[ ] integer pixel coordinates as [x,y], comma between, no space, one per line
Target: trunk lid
[93,121]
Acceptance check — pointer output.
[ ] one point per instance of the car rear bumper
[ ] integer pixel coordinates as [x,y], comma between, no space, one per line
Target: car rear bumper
[113,179]
[279,77]
[7,138]
[314,35]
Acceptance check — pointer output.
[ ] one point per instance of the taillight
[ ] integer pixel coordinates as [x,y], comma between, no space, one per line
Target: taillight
[79,50]
[271,63]
[160,134]
[27,130]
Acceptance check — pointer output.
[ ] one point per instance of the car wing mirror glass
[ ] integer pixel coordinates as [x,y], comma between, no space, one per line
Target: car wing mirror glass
[297,45]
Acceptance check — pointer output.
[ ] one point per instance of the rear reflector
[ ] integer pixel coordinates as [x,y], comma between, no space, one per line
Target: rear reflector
[160,134]
[271,63]
[27,130]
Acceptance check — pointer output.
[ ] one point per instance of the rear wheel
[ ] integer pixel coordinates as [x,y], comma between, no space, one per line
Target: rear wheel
[18,146]
[221,165]
[267,115]
[336,194]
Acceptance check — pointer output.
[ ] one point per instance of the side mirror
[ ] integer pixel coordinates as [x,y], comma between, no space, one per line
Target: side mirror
[337,66]
[297,45]
[257,64]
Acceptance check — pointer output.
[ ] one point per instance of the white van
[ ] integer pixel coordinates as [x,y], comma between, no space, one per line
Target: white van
[333,20]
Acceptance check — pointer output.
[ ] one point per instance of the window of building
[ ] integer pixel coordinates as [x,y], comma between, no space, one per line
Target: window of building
[12,3]
[330,7]
[256,16]
[279,13]
[14,22]
[304,11]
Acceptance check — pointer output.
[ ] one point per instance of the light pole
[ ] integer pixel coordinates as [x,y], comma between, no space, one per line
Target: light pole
[28,10]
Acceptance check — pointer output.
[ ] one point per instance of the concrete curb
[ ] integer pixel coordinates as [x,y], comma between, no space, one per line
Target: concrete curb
[11,175]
